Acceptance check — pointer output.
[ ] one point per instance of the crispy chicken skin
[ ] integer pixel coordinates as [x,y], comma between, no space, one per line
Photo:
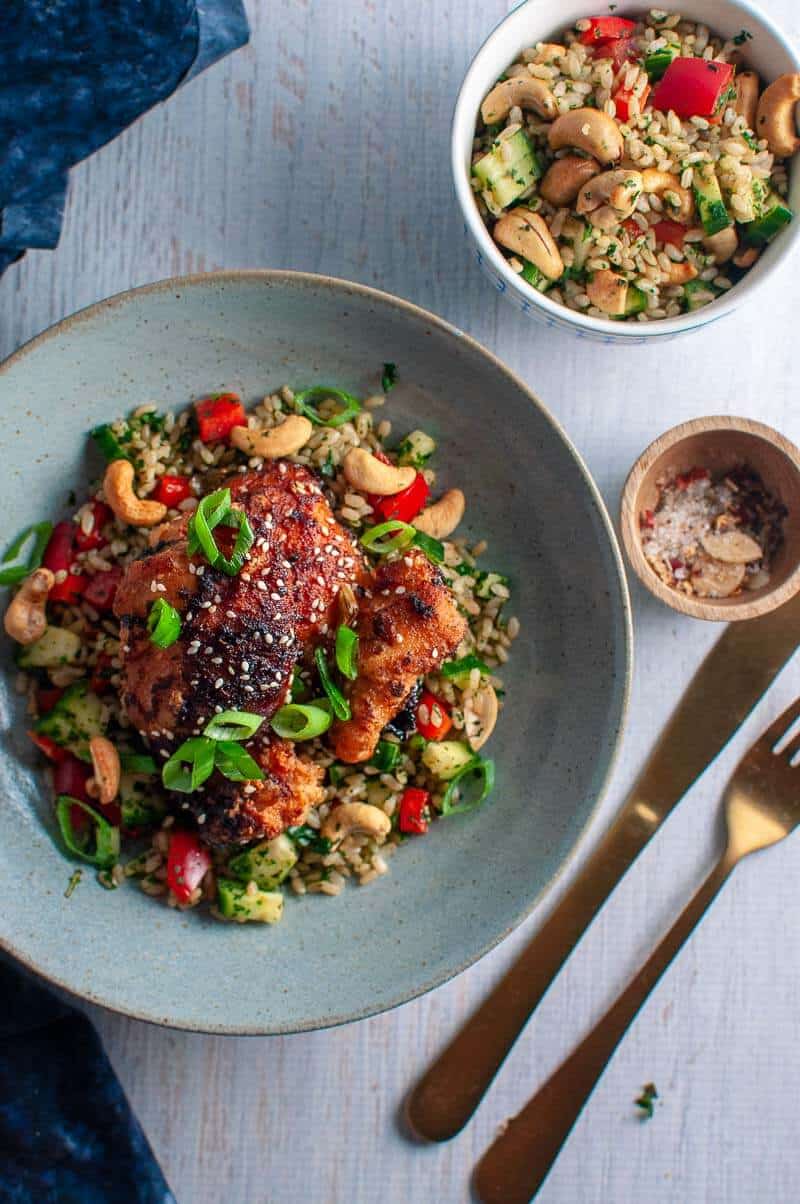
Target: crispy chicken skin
[408,624]
[240,639]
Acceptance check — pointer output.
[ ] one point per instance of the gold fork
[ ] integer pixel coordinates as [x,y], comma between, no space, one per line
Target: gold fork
[762,806]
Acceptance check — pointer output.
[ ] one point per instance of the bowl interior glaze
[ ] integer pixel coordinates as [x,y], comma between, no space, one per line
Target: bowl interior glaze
[449,896]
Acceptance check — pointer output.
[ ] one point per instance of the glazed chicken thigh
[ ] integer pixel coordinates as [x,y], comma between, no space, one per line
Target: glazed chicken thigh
[241,637]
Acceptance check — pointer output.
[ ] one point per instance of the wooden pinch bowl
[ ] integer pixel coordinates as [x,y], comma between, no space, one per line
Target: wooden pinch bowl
[718,444]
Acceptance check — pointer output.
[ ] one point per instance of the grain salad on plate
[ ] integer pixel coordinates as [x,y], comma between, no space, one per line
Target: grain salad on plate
[635,168]
[258,653]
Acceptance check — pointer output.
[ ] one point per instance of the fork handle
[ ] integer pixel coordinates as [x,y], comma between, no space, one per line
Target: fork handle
[516,1165]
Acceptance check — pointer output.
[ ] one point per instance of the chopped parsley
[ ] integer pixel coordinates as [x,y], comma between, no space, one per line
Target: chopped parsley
[645,1101]
[306,837]
[743,36]
[389,377]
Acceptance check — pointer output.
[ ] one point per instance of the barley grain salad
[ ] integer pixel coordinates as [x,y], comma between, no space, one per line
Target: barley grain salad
[257,655]
[635,169]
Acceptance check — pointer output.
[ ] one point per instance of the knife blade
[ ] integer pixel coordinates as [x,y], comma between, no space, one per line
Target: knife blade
[730,681]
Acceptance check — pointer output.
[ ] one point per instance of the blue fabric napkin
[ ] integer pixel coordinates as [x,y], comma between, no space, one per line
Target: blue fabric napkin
[67,1133]
[73,75]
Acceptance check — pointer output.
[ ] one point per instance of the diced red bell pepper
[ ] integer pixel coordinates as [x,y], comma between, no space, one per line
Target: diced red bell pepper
[84,541]
[58,557]
[692,87]
[172,490]
[433,717]
[46,699]
[102,588]
[187,863]
[622,99]
[218,415]
[606,29]
[54,752]
[684,479]
[70,777]
[668,231]
[647,520]
[404,505]
[632,228]
[620,52]
[414,812]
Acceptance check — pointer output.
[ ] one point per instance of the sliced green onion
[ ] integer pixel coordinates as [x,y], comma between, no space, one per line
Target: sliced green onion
[308,401]
[388,377]
[347,652]
[300,689]
[163,624]
[190,765]
[137,763]
[401,537]
[464,666]
[432,548]
[108,443]
[483,774]
[386,756]
[302,721]
[233,725]
[213,510]
[339,704]
[101,846]
[243,544]
[40,534]
[235,762]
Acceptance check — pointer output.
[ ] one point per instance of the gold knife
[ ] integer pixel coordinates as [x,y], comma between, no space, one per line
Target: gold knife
[734,675]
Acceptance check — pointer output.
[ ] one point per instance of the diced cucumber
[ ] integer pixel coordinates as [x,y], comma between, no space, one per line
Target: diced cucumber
[266,864]
[510,167]
[74,720]
[698,293]
[635,300]
[485,581]
[445,758]
[774,216]
[707,195]
[56,647]
[534,277]
[236,903]
[416,449]
[139,805]
[655,64]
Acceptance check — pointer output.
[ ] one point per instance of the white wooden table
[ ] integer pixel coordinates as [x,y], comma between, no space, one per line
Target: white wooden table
[324,146]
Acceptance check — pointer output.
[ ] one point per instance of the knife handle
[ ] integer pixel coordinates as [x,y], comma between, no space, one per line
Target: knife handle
[450,1091]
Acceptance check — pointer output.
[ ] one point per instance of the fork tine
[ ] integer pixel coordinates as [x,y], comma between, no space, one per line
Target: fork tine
[777,730]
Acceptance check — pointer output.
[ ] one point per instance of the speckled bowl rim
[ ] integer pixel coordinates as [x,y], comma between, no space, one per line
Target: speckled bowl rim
[593,818]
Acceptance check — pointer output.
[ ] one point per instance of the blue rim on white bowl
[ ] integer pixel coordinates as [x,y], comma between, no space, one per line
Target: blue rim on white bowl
[768,52]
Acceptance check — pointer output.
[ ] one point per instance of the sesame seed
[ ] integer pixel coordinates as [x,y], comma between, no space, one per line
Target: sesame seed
[260,585]
[219,683]
[231,614]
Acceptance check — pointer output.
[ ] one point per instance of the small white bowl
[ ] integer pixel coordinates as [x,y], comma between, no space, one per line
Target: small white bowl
[768,52]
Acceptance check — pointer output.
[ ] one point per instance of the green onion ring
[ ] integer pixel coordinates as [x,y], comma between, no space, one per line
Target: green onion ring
[233,725]
[485,775]
[41,533]
[106,836]
[302,721]
[339,704]
[235,762]
[386,756]
[347,652]
[214,509]
[163,624]
[433,548]
[307,401]
[402,537]
[198,755]
[243,544]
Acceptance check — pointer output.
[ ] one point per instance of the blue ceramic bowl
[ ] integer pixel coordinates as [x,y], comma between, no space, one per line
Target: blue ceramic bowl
[450,896]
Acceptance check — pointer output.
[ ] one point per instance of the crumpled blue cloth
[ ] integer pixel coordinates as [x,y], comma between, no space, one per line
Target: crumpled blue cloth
[67,1133]
[73,75]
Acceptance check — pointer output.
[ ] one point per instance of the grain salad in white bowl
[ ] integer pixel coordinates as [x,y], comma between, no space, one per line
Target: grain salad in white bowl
[629,173]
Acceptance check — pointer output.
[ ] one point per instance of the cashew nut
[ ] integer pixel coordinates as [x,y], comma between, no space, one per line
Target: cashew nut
[608,291]
[746,105]
[479,724]
[355,817]
[104,785]
[665,184]
[442,518]
[523,91]
[284,440]
[775,115]
[680,273]
[369,474]
[722,245]
[609,198]
[746,257]
[589,130]
[563,179]
[528,234]
[25,619]
[118,490]
[547,51]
